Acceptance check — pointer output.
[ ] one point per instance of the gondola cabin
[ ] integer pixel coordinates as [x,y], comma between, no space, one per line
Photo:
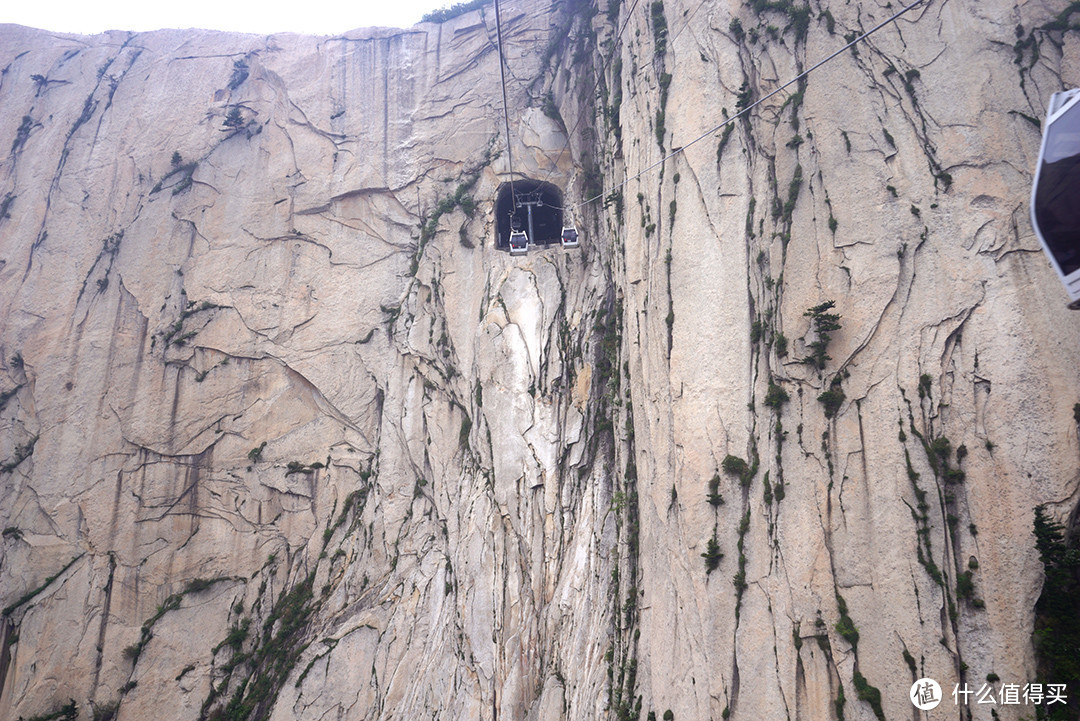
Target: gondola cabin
[1055,193]
[519,242]
[570,237]
[532,207]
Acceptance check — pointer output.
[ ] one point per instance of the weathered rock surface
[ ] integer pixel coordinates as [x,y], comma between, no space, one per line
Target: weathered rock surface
[285,436]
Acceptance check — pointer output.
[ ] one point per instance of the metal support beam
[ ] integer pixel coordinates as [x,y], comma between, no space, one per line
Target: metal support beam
[529,201]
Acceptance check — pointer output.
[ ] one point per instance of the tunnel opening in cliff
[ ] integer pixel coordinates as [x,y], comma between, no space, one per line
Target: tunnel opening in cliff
[530,205]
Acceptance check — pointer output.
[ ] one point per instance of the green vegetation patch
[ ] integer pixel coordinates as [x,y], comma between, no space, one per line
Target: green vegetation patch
[832,398]
[776,396]
[453,11]
[845,626]
[276,653]
[868,693]
[659,27]
[823,323]
[67,712]
[1057,624]
[30,595]
[712,555]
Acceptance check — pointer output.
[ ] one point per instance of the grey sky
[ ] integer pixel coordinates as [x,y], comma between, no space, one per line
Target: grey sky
[309,16]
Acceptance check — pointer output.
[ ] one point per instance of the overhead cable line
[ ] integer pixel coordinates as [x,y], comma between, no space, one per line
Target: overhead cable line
[670,39]
[506,106]
[592,90]
[687,23]
[753,105]
[600,76]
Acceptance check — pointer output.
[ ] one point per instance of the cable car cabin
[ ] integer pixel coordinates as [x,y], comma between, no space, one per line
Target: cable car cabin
[531,207]
[570,238]
[1055,194]
[519,242]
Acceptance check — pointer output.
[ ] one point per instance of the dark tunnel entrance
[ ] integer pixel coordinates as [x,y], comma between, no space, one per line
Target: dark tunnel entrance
[542,201]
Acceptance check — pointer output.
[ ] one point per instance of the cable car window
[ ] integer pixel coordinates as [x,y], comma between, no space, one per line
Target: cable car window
[1063,136]
[1056,201]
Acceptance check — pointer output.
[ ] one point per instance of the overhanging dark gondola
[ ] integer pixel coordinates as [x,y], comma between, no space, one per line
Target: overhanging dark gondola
[1055,194]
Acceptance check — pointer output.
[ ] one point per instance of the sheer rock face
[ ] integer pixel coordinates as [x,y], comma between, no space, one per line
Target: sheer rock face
[255,333]
[273,361]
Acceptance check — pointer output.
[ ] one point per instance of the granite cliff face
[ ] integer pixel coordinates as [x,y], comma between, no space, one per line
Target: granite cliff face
[285,436]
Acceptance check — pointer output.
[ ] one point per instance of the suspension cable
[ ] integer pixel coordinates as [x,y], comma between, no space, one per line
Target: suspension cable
[753,105]
[592,92]
[506,106]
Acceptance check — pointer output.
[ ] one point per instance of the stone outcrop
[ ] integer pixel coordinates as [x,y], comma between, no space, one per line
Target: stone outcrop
[284,435]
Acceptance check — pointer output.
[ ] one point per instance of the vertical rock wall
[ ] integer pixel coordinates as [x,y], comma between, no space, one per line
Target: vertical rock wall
[869,479]
[284,435]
